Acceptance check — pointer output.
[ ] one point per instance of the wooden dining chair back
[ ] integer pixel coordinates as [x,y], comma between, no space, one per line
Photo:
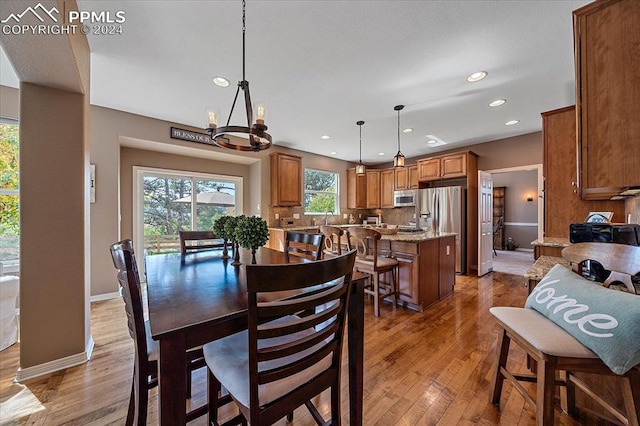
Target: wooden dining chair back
[284,360]
[369,261]
[558,355]
[145,369]
[191,241]
[334,239]
[303,244]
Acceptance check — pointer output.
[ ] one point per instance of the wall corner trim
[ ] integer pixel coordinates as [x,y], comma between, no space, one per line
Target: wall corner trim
[24,374]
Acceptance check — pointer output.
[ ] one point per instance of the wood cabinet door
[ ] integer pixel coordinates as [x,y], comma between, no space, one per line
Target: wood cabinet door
[608,95]
[409,272]
[387,185]
[453,166]
[429,169]
[413,176]
[356,190]
[286,180]
[447,262]
[402,178]
[373,189]
[562,203]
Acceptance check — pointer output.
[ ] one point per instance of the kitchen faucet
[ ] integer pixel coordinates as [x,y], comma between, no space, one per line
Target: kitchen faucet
[326,217]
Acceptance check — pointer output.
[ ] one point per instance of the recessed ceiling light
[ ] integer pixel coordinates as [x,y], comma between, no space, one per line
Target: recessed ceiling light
[498,102]
[432,141]
[220,81]
[381,154]
[511,122]
[476,76]
[407,130]
[325,137]
[333,153]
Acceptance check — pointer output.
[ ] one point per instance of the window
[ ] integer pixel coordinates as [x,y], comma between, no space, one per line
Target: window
[9,197]
[320,192]
[164,205]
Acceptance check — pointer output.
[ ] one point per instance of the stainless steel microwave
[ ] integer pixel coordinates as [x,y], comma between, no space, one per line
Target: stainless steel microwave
[405,198]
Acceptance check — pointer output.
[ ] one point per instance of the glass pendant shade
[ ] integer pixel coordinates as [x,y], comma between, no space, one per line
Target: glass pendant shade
[360,169]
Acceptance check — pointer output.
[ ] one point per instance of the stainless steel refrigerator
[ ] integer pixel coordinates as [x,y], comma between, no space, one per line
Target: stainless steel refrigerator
[443,210]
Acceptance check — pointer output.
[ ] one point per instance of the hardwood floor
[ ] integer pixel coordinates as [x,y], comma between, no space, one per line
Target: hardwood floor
[424,368]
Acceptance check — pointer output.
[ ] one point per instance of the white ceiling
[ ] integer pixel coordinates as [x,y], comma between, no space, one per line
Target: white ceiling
[320,66]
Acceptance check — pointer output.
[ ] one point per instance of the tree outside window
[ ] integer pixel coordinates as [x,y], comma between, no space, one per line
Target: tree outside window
[320,192]
[9,193]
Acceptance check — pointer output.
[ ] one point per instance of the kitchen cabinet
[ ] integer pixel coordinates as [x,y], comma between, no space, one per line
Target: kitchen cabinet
[387,186]
[607,58]
[562,202]
[286,180]
[426,270]
[356,190]
[443,167]
[407,177]
[373,189]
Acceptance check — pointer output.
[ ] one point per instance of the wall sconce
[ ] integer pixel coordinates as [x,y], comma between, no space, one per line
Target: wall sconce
[529,198]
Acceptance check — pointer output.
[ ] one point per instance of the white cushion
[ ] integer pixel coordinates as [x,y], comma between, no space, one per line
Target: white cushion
[228,360]
[541,333]
[9,289]
[153,349]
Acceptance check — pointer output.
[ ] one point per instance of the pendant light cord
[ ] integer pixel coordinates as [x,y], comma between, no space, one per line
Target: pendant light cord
[360,143]
[398,130]
[244,29]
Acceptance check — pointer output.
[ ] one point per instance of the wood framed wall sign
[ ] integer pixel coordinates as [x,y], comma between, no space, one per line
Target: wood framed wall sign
[189,136]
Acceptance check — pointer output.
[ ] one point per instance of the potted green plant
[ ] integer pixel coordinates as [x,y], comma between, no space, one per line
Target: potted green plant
[229,229]
[251,233]
[221,231]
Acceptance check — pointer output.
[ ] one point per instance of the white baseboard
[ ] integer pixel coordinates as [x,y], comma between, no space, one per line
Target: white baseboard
[28,373]
[105,296]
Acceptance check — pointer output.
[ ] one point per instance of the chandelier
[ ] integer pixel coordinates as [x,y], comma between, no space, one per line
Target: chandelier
[398,160]
[259,139]
[360,168]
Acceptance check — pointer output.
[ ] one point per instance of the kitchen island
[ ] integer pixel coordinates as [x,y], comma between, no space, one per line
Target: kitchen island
[426,262]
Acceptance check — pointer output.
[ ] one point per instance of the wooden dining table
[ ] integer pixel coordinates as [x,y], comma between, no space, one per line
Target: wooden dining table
[201,297]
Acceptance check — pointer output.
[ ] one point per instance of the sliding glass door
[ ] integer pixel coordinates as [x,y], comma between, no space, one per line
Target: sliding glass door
[167,201]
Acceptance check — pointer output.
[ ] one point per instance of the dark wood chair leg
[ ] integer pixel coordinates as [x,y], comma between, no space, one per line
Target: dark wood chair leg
[213,392]
[142,400]
[502,352]
[376,296]
[290,417]
[335,405]
[188,383]
[132,404]
[632,396]
[569,395]
[545,392]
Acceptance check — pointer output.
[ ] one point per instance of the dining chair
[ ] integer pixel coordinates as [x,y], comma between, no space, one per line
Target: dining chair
[283,360]
[368,261]
[303,244]
[145,368]
[198,240]
[333,237]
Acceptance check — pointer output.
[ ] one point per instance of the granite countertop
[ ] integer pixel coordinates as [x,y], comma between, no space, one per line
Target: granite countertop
[542,265]
[414,237]
[551,242]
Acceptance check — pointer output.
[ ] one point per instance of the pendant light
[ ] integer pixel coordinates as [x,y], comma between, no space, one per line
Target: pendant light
[398,160]
[259,139]
[360,168]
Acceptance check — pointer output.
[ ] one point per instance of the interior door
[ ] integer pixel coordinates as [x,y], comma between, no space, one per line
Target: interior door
[485,223]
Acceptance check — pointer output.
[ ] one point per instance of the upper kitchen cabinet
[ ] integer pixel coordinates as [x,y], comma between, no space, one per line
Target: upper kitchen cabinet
[443,167]
[373,189]
[562,203]
[286,180]
[607,57]
[407,177]
[387,186]
[356,190]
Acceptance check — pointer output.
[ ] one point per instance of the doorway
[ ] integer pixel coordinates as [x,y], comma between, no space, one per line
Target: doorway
[521,204]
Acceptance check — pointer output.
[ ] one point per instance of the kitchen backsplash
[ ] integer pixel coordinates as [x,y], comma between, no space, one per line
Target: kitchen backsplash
[398,216]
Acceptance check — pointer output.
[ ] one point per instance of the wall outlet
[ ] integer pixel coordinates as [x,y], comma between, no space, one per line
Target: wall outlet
[277,216]
[296,215]
[344,216]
